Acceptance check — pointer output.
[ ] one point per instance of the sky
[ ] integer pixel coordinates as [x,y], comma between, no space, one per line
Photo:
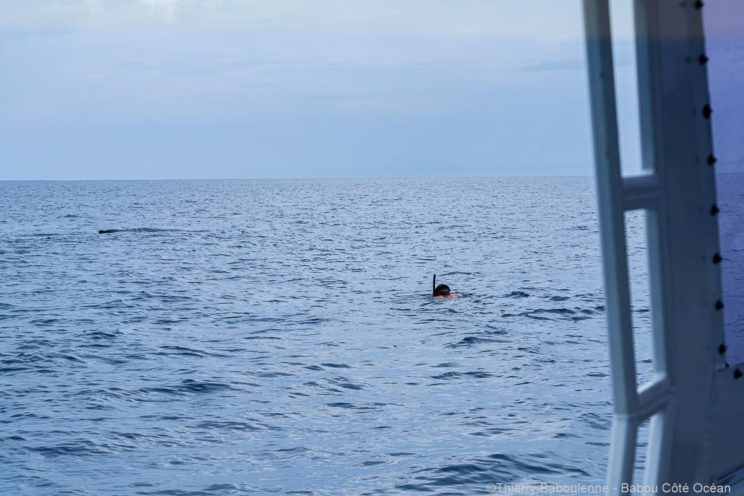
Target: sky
[157,89]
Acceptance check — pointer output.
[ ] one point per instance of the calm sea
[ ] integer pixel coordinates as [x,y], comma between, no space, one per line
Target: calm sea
[277,337]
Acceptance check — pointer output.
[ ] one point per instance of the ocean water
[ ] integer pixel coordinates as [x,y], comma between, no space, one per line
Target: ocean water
[730,192]
[278,337]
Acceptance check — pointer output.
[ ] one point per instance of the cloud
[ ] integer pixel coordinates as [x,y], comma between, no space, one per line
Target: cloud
[147,81]
[454,19]
[556,65]
[163,9]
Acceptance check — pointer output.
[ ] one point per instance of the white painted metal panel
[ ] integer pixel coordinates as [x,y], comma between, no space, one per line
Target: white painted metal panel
[724,26]
[693,400]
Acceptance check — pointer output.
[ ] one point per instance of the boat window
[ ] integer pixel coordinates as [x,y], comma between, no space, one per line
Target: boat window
[626,86]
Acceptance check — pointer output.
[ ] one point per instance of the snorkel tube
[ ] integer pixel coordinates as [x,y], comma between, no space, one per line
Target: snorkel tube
[434,285]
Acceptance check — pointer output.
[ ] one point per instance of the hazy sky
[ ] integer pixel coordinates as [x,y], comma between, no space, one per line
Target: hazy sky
[294,88]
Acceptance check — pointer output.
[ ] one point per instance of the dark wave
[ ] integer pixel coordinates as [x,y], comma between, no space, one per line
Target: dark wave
[493,469]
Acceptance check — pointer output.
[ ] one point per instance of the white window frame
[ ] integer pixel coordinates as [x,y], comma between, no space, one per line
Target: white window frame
[694,400]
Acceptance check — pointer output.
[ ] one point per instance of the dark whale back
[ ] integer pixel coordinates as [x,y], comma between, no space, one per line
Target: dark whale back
[136,229]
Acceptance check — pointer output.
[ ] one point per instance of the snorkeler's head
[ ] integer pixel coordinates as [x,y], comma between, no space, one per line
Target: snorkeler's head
[442,290]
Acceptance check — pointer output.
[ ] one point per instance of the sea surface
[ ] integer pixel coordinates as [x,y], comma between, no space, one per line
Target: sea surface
[278,336]
[730,198]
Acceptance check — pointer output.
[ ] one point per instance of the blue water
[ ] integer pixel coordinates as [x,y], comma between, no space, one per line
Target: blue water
[277,337]
[730,191]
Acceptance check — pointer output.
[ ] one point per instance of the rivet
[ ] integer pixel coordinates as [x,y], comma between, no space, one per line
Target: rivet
[722,349]
[699,4]
[714,209]
[737,373]
[717,258]
[703,59]
[719,305]
[707,111]
[712,159]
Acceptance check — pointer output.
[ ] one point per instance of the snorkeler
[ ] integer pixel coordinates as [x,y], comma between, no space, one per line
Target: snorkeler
[441,292]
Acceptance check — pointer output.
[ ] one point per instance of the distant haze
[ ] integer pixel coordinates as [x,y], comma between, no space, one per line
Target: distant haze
[326,88]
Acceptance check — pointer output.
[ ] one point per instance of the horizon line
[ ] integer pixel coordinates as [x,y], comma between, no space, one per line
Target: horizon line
[298,178]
